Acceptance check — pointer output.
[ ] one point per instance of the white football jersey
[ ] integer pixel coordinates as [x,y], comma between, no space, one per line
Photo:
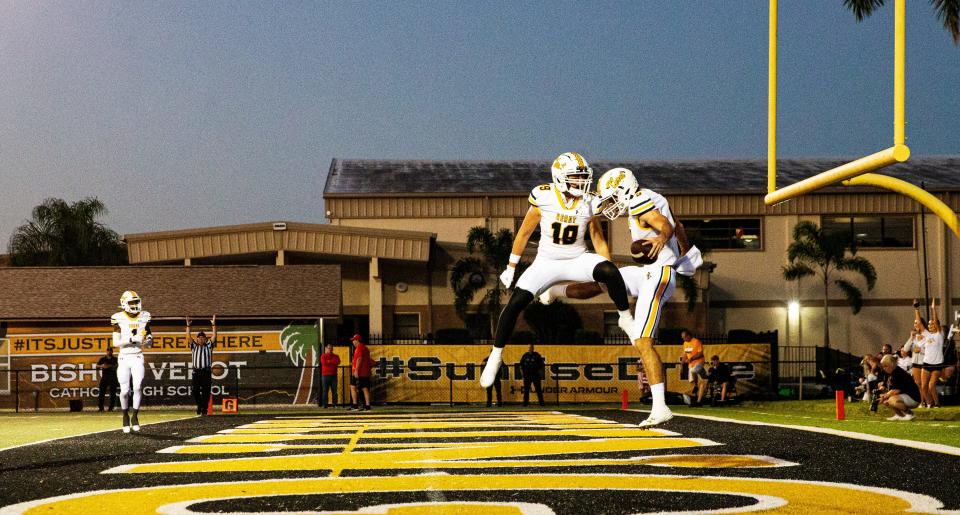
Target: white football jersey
[563,224]
[645,201]
[132,329]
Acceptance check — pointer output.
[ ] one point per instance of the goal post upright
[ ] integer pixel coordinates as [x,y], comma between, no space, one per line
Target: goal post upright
[857,172]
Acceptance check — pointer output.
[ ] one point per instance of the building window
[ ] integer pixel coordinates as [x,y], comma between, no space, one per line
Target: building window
[725,233]
[406,325]
[873,231]
[611,330]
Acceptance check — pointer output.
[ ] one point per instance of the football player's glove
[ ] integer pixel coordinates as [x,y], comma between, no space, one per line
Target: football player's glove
[615,189]
[130,302]
[571,174]
[507,276]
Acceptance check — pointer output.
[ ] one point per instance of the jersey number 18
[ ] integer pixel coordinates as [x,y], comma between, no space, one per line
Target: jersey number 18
[564,235]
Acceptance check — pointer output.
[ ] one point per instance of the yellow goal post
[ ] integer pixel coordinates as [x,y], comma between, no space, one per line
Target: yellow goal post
[857,172]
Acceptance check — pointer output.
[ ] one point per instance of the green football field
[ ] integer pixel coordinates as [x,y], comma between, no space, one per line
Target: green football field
[932,425]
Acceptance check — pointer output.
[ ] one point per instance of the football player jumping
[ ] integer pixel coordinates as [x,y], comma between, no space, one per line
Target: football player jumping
[651,284]
[131,332]
[564,210]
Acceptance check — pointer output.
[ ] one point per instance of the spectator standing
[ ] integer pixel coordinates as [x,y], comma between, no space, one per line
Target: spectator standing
[914,344]
[532,366]
[933,362]
[202,375]
[108,378]
[495,386]
[693,357]
[329,363]
[360,375]
[902,393]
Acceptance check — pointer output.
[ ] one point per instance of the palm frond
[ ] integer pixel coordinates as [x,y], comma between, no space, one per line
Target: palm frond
[795,271]
[862,8]
[861,266]
[461,273]
[479,238]
[948,11]
[805,251]
[852,293]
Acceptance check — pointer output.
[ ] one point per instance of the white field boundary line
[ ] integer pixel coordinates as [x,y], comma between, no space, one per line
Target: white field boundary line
[913,444]
[92,433]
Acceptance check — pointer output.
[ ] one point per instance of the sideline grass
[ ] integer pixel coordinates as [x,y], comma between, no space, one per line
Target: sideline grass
[941,425]
[23,428]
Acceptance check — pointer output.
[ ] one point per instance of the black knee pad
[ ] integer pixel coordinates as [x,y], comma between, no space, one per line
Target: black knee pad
[519,300]
[606,271]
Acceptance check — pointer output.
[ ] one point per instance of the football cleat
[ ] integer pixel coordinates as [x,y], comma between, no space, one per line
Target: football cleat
[130,302]
[615,189]
[490,371]
[571,174]
[657,416]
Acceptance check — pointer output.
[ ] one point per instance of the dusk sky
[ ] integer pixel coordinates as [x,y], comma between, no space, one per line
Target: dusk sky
[182,115]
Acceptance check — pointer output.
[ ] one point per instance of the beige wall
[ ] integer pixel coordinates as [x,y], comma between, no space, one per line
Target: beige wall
[446,229]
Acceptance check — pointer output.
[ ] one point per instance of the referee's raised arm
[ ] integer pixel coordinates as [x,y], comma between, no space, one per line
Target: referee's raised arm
[189,336]
[213,329]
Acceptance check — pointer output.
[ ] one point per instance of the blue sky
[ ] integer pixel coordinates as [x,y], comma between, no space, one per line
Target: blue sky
[183,115]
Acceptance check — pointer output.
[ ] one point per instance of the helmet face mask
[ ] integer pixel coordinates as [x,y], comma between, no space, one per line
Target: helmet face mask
[615,189]
[571,174]
[130,302]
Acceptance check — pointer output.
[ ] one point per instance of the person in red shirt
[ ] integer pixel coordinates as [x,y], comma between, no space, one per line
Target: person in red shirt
[329,362]
[360,374]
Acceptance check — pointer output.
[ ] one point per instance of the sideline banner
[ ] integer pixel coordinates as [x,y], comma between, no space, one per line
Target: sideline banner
[574,373]
[163,342]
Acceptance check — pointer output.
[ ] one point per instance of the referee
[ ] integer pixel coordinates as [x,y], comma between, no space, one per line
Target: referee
[202,350]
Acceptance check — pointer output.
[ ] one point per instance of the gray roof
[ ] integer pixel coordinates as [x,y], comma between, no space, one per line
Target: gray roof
[364,177]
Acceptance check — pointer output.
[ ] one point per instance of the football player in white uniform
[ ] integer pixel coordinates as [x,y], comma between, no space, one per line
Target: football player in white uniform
[564,211]
[651,284]
[131,332]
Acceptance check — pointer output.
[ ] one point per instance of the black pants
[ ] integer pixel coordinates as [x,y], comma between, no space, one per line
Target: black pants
[201,388]
[495,385]
[108,382]
[328,383]
[526,390]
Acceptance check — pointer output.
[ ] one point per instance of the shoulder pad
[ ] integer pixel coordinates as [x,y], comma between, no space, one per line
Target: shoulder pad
[640,205]
[537,193]
[115,317]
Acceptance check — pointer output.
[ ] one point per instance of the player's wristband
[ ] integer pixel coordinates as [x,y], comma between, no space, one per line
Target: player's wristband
[514,259]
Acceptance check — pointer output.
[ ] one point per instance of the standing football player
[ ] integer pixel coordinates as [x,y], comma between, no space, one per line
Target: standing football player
[669,253]
[131,332]
[564,211]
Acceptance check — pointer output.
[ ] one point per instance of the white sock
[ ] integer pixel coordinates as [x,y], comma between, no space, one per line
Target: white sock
[658,399]
[495,353]
[625,313]
[559,291]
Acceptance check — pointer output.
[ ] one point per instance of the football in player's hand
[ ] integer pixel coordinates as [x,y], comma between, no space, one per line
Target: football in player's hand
[639,251]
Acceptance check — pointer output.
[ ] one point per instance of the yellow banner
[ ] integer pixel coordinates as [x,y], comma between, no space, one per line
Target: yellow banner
[97,343]
[574,373]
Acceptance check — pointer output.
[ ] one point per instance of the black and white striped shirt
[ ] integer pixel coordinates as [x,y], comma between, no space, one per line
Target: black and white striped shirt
[202,354]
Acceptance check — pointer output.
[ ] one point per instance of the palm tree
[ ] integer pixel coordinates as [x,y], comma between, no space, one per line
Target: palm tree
[948,11]
[62,234]
[301,343]
[471,274]
[814,251]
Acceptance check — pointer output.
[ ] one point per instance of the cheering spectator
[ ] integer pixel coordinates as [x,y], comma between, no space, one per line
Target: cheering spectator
[902,392]
[914,345]
[329,362]
[933,364]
